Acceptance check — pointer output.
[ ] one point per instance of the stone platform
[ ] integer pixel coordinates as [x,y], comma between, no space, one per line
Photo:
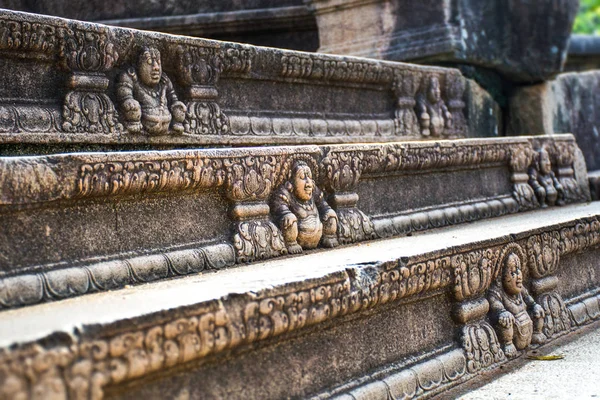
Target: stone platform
[409,316]
[70,85]
[99,221]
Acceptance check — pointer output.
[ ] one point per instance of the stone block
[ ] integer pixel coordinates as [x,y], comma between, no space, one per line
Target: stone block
[568,103]
[372,321]
[525,41]
[134,217]
[71,85]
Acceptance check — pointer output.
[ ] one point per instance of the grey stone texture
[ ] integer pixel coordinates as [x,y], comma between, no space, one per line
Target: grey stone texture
[69,83]
[93,217]
[583,53]
[402,317]
[568,103]
[525,41]
[283,23]
[127,197]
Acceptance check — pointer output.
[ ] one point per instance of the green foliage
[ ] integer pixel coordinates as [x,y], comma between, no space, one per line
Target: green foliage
[587,20]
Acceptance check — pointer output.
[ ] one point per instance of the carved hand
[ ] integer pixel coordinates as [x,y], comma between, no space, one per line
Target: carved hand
[506,319]
[178,109]
[329,215]
[288,220]
[538,312]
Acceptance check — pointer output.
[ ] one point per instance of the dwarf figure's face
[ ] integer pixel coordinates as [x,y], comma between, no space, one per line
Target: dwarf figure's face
[512,278]
[433,92]
[302,182]
[149,67]
[545,165]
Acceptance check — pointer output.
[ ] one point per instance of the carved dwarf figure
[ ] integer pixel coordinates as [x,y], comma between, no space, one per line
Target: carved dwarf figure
[433,114]
[509,305]
[302,213]
[147,99]
[547,188]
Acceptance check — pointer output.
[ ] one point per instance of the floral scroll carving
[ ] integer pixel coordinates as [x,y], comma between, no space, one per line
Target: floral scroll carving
[88,55]
[249,182]
[199,69]
[341,173]
[405,87]
[481,346]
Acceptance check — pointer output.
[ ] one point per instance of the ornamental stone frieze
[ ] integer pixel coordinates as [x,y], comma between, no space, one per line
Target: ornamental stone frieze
[484,293]
[106,220]
[83,83]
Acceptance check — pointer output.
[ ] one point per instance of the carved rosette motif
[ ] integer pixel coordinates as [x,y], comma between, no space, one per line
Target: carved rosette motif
[405,86]
[340,174]
[520,160]
[199,69]
[88,55]
[249,182]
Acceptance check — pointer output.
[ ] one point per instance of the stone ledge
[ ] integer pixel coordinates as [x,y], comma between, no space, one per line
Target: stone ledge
[82,83]
[103,341]
[101,221]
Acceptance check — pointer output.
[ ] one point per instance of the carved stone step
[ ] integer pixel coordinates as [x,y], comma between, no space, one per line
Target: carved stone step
[99,221]
[68,84]
[409,316]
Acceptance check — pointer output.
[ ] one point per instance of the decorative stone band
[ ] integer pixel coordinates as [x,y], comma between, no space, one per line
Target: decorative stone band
[105,356]
[108,94]
[268,202]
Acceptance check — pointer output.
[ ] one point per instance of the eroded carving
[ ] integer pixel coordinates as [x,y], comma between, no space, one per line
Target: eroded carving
[249,184]
[510,305]
[88,55]
[547,188]
[455,89]
[520,159]
[303,215]
[434,117]
[199,69]
[481,346]
[405,87]
[556,315]
[147,98]
[341,173]
[325,68]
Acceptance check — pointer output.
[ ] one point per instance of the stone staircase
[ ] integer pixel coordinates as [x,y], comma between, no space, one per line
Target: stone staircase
[185,218]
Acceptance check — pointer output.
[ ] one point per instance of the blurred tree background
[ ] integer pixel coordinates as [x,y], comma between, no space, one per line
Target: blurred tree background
[588,18]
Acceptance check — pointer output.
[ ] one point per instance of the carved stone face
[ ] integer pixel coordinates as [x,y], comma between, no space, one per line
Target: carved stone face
[302,182]
[545,165]
[149,67]
[512,278]
[433,93]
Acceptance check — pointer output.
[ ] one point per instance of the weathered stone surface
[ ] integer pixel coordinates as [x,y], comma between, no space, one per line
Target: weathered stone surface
[583,53]
[284,23]
[405,316]
[68,83]
[526,41]
[99,221]
[567,104]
